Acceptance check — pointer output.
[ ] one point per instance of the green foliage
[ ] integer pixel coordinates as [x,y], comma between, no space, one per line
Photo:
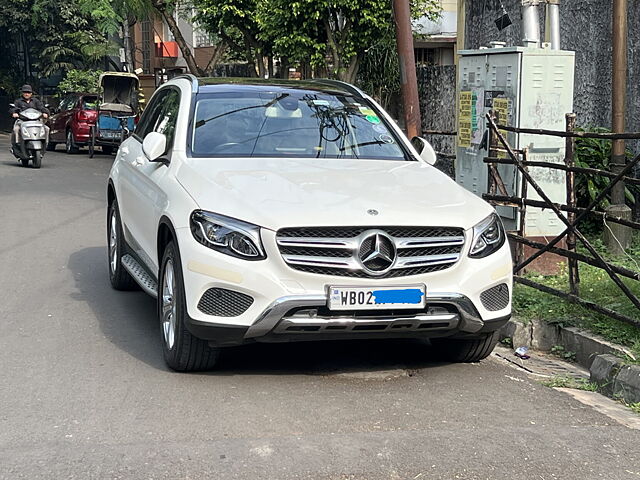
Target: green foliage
[58,33]
[507,342]
[234,22]
[80,81]
[569,382]
[560,351]
[595,286]
[635,407]
[595,153]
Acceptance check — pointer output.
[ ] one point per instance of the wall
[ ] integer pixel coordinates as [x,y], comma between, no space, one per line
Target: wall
[586,29]
[437,88]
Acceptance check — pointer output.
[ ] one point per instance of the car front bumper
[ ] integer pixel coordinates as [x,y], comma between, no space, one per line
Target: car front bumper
[291,305]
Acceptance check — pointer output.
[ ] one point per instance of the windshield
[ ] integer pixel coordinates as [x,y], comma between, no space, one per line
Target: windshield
[290,123]
[89,103]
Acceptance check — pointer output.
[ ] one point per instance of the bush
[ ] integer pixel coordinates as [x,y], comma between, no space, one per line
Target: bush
[79,81]
[595,153]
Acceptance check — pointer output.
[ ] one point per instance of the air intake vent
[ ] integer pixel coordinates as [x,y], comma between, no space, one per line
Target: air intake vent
[495,298]
[224,303]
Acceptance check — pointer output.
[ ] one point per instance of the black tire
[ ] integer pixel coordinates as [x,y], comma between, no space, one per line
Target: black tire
[51,147]
[92,142]
[118,275]
[465,350]
[70,146]
[37,158]
[107,150]
[182,351]
[25,162]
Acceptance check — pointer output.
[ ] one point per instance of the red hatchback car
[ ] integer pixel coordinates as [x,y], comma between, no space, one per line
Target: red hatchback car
[72,120]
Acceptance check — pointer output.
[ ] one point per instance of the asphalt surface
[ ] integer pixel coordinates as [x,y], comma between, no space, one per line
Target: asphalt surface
[84,392]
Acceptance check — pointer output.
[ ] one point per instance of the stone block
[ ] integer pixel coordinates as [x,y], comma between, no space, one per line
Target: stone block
[544,336]
[603,372]
[522,335]
[627,384]
[585,345]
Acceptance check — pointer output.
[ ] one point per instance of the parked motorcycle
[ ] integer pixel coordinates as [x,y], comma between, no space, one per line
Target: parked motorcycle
[31,139]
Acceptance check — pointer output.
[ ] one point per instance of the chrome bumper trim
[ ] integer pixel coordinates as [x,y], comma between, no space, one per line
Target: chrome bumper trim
[468,318]
[412,323]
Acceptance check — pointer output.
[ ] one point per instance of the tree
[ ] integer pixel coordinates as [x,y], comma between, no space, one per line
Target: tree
[57,35]
[114,14]
[85,81]
[328,34]
[235,23]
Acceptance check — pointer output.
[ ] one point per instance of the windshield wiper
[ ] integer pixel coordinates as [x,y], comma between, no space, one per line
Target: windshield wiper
[200,123]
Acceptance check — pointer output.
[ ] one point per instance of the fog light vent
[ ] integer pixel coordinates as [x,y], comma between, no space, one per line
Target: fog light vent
[495,298]
[224,303]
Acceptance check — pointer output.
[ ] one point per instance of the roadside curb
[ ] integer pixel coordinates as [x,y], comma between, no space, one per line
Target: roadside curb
[602,358]
[616,379]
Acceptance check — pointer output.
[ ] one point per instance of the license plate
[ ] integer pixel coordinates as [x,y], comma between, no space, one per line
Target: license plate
[372,298]
[109,134]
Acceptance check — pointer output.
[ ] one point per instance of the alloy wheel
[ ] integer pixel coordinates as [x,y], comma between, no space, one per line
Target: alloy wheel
[113,242]
[169,305]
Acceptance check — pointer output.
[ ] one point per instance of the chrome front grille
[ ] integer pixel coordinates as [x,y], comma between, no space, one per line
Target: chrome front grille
[343,251]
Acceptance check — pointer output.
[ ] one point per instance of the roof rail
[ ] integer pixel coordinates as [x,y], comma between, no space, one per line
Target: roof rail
[338,83]
[192,78]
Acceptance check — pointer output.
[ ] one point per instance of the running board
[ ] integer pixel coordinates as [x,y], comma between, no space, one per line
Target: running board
[140,275]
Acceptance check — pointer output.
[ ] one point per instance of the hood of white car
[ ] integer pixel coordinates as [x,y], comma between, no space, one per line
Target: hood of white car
[278,193]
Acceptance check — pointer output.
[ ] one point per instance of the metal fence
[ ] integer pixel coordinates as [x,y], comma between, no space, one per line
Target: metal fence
[498,195]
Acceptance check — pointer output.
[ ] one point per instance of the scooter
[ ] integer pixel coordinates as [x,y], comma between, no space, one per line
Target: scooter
[32,138]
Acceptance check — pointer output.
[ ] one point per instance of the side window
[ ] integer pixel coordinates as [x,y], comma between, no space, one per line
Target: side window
[63,104]
[151,114]
[70,103]
[166,121]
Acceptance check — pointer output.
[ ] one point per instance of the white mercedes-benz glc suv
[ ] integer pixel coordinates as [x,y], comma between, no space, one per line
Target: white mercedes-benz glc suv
[276,211]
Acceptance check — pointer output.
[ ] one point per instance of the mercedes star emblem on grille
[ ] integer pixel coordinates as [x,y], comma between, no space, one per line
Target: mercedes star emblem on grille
[377,252]
[372,211]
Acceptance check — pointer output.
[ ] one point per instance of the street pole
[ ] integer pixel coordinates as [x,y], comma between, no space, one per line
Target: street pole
[408,79]
[618,237]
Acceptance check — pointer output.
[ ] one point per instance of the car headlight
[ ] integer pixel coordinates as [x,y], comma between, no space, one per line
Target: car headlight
[488,237]
[227,235]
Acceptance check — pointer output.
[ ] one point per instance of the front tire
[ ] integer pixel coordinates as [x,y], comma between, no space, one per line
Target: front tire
[25,162]
[37,158]
[465,350]
[70,146]
[182,351]
[118,276]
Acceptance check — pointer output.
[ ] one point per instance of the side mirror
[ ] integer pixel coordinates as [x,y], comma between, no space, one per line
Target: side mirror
[424,148]
[12,105]
[46,105]
[154,146]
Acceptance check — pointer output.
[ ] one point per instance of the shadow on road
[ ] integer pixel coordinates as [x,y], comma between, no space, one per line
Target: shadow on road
[128,320]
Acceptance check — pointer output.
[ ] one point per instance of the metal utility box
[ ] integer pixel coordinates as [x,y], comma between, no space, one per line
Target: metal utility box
[527,88]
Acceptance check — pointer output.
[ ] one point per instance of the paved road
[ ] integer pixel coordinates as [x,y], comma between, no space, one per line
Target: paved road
[85,394]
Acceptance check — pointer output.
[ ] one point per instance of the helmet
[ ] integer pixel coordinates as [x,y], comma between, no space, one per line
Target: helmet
[26,88]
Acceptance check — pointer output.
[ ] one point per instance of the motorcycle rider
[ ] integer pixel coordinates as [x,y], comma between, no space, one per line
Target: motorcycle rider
[26,101]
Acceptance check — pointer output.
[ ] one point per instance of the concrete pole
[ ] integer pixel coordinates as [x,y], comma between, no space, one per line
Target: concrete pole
[618,237]
[408,79]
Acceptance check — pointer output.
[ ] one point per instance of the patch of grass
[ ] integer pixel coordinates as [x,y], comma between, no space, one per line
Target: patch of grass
[595,286]
[569,382]
[635,407]
[559,351]
[507,342]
